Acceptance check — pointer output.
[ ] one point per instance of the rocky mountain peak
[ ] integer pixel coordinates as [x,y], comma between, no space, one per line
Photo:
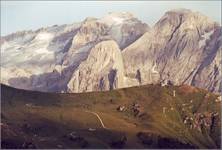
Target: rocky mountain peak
[179,11]
[89,19]
[180,40]
[191,18]
[124,15]
[115,51]
[90,31]
[117,18]
[183,22]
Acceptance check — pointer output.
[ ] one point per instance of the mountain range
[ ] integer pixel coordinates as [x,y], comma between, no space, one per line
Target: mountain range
[115,51]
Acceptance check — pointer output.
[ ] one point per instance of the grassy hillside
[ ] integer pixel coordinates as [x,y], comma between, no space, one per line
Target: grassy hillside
[148,116]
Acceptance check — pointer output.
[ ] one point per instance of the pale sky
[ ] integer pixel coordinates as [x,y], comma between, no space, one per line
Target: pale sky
[25,15]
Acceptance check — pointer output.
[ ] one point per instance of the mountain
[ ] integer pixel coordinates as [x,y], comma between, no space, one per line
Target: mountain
[107,72]
[183,47]
[115,51]
[47,59]
[149,116]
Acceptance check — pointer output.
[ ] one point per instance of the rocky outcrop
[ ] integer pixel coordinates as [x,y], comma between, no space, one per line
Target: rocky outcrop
[102,70]
[90,31]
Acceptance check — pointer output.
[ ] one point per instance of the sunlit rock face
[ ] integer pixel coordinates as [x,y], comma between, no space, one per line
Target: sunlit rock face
[102,70]
[183,47]
[115,51]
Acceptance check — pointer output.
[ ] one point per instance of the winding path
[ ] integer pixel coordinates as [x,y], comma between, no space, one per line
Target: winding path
[97,115]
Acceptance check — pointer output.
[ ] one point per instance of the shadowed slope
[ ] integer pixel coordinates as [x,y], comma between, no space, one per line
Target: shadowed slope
[138,117]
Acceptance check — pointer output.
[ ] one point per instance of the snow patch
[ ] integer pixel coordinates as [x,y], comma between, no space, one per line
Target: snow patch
[43,51]
[116,18]
[44,36]
[205,37]
[4,46]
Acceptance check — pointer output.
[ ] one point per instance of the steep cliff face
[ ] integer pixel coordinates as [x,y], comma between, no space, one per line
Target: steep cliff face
[115,51]
[208,74]
[102,70]
[184,49]
[181,46]
[139,61]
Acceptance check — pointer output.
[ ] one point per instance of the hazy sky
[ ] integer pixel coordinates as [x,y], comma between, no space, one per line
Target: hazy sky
[24,15]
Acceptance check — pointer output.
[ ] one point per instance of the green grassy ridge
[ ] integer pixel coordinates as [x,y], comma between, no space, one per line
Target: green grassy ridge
[66,110]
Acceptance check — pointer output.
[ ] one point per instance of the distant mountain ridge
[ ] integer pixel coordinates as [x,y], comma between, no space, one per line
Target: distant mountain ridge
[115,51]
